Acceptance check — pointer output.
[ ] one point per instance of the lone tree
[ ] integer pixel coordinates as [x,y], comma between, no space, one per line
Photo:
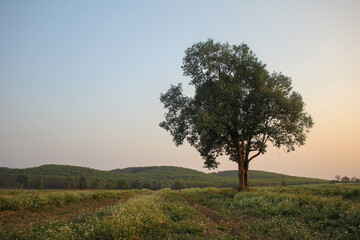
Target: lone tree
[238,107]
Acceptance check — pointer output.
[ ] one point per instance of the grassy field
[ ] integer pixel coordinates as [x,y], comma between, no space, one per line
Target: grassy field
[293,212]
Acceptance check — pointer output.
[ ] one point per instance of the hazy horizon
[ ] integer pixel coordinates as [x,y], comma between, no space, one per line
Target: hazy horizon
[80,81]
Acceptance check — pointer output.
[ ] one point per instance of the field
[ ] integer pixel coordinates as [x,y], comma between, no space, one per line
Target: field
[293,212]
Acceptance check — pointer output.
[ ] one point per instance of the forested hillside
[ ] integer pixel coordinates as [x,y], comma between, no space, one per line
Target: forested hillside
[157,177]
[261,178]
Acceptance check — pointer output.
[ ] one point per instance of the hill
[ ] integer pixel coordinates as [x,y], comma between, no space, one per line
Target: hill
[255,174]
[261,178]
[155,177]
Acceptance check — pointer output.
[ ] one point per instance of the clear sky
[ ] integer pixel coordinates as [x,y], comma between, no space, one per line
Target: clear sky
[80,80]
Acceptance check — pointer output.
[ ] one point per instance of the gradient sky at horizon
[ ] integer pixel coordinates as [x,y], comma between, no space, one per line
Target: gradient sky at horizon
[80,80]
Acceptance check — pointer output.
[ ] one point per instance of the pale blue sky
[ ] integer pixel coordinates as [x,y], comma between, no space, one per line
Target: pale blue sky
[80,80]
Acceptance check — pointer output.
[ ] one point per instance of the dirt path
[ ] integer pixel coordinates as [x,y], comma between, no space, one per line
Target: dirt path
[216,222]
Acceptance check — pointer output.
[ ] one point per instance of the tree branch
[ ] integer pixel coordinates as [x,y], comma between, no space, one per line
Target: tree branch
[254,156]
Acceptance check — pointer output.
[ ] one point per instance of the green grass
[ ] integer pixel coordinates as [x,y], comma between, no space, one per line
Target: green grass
[16,200]
[302,212]
[158,215]
[293,212]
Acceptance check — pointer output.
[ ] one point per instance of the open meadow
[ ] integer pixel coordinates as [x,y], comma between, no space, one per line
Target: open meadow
[293,212]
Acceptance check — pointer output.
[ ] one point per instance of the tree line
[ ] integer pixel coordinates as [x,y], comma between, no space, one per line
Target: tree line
[154,178]
[345,179]
[24,181]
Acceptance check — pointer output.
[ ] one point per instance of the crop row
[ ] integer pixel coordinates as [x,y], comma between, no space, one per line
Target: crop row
[151,216]
[16,200]
[303,212]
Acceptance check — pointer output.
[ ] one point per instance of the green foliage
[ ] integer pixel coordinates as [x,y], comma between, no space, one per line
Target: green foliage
[238,106]
[96,183]
[179,184]
[254,174]
[70,183]
[152,216]
[110,184]
[136,184]
[301,212]
[33,200]
[146,185]
[123,184]
[262,178]
[23,180]
[83,182]
[40,183]
[159,177]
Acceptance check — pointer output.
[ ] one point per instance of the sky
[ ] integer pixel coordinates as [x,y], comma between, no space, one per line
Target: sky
[80,81]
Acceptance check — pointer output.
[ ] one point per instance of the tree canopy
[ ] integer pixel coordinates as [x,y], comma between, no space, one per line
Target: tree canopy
[70,182]
[123,184]
[23,180]
[179,184]
[83,182]
[96,183]
[238,106]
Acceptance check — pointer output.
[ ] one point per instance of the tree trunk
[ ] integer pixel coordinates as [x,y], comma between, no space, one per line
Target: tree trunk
[241,176]
[243,167]
[246,174]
